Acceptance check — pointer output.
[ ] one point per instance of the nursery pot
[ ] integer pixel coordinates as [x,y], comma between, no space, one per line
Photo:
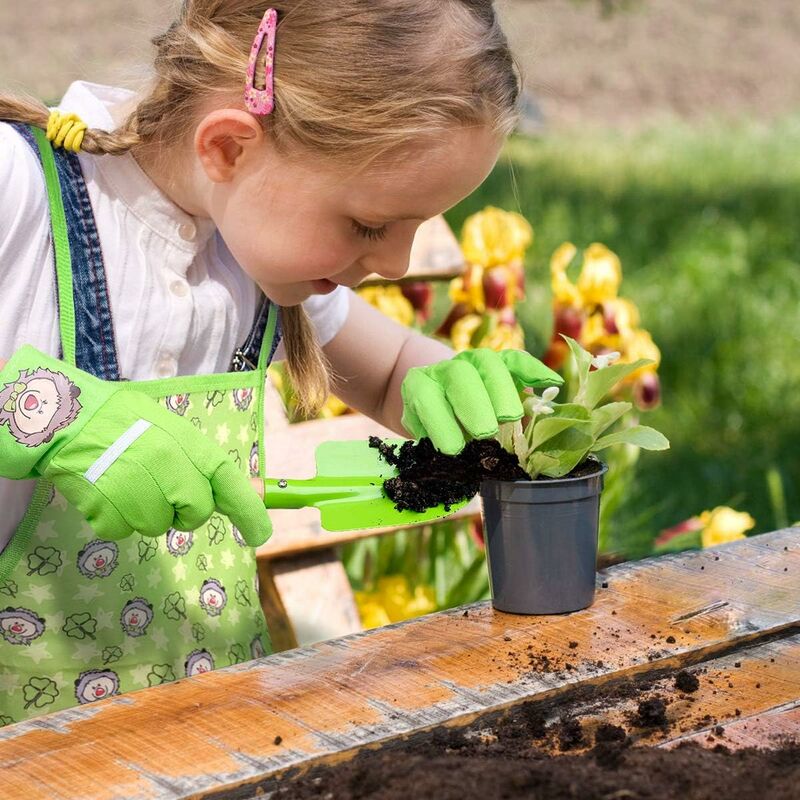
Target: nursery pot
[541,542]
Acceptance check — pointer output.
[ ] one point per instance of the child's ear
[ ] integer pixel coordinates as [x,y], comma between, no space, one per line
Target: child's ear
[221,140]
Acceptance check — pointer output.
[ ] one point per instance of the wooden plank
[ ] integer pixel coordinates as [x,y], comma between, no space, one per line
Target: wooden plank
[281,632]
[316,594]
[326,701]
[435,255]
[754,691]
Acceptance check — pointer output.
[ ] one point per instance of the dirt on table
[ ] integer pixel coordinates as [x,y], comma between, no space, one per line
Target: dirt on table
[485,773]
[551,750]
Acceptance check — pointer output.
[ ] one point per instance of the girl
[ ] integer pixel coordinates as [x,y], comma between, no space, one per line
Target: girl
[277,159]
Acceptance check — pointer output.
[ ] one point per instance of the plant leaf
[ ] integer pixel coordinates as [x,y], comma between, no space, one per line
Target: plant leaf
[605,416]
[538,462]
[639,436]
[583,363]
[545,428]
[602,381]
[568,448]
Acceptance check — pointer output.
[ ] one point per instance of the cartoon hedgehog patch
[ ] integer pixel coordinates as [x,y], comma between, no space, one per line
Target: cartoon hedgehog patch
[98,559]
[213,597]
[37,405]
[20,625]
[198,662]
[136,616]
[96,684]
[179,543]
[242,398]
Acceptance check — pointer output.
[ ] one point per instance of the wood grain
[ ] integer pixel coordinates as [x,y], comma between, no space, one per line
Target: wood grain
[210,734]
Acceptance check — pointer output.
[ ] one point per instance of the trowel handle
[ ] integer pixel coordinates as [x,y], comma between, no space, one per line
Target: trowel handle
[302,493]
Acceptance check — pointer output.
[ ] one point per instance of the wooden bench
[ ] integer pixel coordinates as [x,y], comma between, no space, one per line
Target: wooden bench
[305,592]
[732,614]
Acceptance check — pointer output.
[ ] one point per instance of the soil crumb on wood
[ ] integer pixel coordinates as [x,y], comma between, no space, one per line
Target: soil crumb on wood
[427,478]
[651,713]
[686,682]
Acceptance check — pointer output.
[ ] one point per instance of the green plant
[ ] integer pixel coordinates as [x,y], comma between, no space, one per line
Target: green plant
[560,436]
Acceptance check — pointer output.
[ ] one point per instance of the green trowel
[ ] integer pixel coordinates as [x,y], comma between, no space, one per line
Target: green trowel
[348,490]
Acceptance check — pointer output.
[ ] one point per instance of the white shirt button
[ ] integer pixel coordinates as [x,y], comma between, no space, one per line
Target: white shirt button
[167,367]
[187,231]
[179,288]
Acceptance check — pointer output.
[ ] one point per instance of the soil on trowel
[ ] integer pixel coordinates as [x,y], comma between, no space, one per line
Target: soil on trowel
[427,478]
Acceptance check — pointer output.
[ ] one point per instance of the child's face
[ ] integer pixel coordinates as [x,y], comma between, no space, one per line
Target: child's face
[300,228]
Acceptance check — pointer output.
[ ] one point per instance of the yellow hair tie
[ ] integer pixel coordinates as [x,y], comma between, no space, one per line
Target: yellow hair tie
[66,130]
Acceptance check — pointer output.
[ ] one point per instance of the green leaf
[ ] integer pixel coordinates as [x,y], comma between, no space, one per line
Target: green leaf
[44,561]
[202,563]
[127,583]
[583,363]
[639,436]
[471,585]
[80,626]
[539,462]
[9,588]
[216,529]
[602,381]
[236,654]
[242,593]
[111,654]
[174,606]
[161,673]
[148,547]
[198,632]
[605,416]
[39,692]
[568,415]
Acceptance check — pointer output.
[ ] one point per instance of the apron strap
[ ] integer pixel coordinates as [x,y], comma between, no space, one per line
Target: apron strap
[86,326]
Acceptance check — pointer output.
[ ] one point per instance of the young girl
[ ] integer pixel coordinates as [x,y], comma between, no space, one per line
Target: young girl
[277,160]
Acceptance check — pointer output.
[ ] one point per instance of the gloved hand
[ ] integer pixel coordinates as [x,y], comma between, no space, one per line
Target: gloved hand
[471,393]
[123,461]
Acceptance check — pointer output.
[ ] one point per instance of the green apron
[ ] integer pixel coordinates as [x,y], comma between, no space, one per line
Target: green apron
[85,619]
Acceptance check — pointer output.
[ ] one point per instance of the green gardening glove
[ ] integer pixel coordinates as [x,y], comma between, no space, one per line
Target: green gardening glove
[470,394]
[122,460]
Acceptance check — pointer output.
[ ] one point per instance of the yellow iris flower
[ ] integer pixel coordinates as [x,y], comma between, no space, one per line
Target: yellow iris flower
[394,601]
[723,524]
[495,237]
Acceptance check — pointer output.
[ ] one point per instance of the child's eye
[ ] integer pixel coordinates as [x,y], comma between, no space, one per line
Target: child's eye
[373,234]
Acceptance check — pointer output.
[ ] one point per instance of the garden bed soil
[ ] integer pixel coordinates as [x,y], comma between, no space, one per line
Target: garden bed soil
[427,478]
[511,756]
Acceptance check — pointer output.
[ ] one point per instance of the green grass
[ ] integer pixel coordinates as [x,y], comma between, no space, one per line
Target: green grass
[707,224]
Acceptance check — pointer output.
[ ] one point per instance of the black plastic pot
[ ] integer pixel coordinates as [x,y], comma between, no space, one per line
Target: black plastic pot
[541,542]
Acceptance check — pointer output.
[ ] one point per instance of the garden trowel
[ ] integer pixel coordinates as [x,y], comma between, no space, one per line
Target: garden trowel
[348,490]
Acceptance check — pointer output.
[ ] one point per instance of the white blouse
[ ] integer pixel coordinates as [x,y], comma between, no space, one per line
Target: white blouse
[180,303]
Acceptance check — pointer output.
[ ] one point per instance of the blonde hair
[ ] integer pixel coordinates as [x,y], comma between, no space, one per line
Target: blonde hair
[355,81]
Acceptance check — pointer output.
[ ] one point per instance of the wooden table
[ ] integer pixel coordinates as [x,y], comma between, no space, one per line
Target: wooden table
[732,613]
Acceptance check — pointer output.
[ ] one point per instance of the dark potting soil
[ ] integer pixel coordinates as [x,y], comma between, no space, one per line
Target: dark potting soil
[428,478]
[502,756]
[688,772]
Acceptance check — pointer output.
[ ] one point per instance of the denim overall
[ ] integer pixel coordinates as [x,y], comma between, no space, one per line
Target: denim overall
[82,619]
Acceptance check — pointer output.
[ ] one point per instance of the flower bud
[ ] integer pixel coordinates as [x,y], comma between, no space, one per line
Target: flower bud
[647,391]
[458,311]
[420,295]
[496,287]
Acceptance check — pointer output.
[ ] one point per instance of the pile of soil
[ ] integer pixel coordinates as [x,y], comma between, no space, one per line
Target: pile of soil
[457,773]
[427,478]
[509,755]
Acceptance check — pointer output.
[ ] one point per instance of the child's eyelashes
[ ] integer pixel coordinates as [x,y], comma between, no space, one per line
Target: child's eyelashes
[373,234]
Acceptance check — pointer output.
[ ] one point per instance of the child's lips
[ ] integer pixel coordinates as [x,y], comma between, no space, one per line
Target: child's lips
[323,286]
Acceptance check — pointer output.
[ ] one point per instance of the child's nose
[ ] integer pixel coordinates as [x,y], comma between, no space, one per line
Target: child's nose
[391,263]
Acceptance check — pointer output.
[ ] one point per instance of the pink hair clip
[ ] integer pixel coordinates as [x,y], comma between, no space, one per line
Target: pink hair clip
[262,101]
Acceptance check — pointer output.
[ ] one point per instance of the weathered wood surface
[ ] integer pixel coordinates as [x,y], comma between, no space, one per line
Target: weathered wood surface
[215,735]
